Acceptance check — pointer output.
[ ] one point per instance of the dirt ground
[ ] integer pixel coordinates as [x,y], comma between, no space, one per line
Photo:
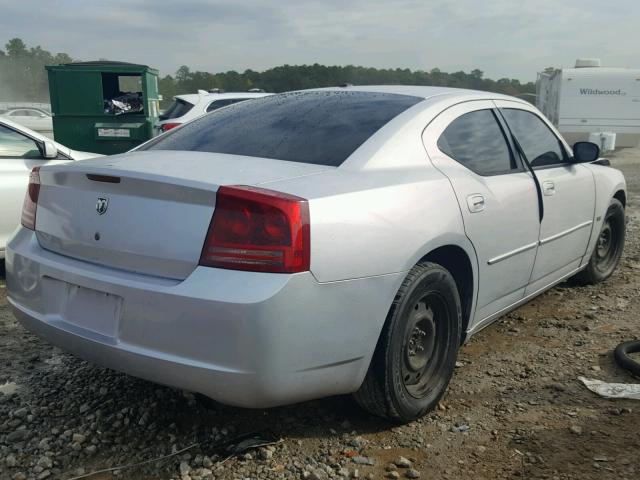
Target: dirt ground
[515,408]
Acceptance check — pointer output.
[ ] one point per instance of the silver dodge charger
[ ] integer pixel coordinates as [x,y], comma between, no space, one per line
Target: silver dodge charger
[313,243]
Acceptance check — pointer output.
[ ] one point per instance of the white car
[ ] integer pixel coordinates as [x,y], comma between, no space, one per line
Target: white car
[192,105]
[32,118]
[313,243]
[22,149]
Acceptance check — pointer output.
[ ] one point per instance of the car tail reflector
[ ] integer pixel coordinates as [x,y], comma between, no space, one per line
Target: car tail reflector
[258,230]
[168,126]
[30,204]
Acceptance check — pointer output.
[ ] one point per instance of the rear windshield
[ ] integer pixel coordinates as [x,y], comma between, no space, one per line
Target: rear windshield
[177,109]
[322,127]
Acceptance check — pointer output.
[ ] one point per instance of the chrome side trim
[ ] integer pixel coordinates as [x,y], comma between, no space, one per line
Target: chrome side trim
[544,241]
[512,253]
[550,239]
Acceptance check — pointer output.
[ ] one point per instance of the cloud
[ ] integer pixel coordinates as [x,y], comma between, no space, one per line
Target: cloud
[500,37]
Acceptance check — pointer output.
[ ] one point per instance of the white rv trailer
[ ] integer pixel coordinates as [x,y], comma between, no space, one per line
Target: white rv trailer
[590,98]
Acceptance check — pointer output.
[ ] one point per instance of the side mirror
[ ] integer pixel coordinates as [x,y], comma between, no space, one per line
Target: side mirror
[584,152]
[49,150]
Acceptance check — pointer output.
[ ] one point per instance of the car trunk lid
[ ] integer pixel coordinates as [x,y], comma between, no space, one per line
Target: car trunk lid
[146,212]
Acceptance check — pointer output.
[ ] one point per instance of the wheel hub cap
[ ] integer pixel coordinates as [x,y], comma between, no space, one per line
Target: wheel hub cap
[420,344]
[604,241]
[421,339]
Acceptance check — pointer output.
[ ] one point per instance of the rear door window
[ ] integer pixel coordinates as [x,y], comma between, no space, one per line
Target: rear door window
[321,127]
[177,109]
[476,140]
[540,145]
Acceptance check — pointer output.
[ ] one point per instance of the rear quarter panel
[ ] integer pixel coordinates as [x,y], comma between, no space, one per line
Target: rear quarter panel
[377,222]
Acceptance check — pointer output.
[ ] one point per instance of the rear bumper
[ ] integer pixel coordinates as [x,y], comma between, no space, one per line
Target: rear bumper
[241,338]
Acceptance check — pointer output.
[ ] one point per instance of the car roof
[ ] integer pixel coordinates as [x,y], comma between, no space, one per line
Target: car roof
[426,92]
[422,91]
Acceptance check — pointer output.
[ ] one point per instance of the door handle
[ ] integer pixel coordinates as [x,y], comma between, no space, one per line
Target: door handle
[475,203]
[548,188]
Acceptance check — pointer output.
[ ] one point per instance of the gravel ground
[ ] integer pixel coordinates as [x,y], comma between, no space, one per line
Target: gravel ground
[515,408]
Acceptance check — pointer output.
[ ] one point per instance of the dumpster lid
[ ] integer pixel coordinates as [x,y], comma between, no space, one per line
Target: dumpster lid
[105,66]
[97,63]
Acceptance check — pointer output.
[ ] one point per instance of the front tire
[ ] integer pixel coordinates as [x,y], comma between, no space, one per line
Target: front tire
[608,250]
[417,350]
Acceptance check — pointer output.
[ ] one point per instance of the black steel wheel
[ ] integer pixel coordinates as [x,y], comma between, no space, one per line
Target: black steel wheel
[609,246]
[416,353]
[423,342]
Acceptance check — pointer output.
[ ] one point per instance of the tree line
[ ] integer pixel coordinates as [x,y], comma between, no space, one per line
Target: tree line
[22,74]
[23,77]
[296,77]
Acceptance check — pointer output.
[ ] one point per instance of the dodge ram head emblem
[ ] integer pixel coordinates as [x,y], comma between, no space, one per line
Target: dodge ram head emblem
[102,205]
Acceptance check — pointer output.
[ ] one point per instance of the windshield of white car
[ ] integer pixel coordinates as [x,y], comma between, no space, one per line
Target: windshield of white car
[321,127]
[177,109]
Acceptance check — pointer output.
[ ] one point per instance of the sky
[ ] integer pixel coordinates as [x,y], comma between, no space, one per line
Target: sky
[503,38]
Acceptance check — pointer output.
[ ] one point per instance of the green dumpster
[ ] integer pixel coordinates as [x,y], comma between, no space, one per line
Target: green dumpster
[103,107]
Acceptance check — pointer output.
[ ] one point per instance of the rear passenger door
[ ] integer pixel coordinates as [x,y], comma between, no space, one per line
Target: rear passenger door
[568,193]
[497,198]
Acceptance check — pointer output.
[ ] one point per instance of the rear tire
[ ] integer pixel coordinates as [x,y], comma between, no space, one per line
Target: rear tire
[608,250]
[417,350]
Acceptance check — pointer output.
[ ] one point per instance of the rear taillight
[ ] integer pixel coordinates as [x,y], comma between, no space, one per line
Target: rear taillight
[168,126]
[30,204]
[258,230]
